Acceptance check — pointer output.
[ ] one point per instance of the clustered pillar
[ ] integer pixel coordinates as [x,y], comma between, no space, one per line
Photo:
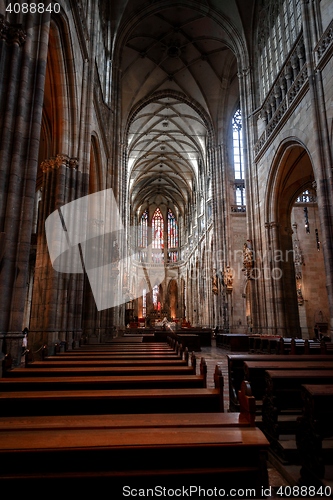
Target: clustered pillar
[23,55]
[56,313]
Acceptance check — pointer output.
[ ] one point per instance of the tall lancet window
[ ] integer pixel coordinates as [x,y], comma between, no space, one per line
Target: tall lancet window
[158,229]
[238,160]
[172,230]
[237,144]
[143,230]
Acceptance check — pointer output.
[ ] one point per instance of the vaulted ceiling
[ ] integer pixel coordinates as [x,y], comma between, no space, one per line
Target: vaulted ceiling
[178,70]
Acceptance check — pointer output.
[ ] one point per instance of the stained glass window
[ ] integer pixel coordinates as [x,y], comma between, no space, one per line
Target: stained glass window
[158,228]
[143,230]
[173,256]
[172,230]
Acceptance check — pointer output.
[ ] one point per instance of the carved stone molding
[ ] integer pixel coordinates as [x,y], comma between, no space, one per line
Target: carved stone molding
[324,45]
[12,33]
[73,163]
[56,161]
[284,95]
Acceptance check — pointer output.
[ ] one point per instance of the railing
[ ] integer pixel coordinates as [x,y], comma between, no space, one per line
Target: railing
[324,44]
[238,209]
[289,84]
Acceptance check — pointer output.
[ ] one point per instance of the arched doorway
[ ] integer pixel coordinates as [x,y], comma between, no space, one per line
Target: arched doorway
[296,273]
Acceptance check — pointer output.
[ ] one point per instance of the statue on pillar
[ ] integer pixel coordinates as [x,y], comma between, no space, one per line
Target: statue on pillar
[248,259]
[228,279]
[215,288]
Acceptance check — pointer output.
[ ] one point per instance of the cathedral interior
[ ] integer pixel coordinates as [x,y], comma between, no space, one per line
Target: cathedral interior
[207,125]
[211,122]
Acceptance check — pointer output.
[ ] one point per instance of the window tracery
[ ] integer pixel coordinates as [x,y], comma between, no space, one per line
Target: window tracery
[143,231]
[158,229]
[238,159]
[237,144]
[172,230]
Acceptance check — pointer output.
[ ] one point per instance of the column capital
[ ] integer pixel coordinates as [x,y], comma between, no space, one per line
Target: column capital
[12,33]
[56,162]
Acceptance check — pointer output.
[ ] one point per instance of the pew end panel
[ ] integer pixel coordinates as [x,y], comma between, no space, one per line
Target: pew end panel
[247,402]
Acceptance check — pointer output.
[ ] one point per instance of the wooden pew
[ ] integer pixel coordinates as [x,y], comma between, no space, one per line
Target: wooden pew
[236,369]
[76,402]
[254,343]
[135,346]
[80,371]
[116,350]
[68,356]
[163,349]
[326,347]
[264,344]
[299,346]
[122,421]
[100,363]
[179,356]
[121,356]
[187,339]
[313,428]
[179,449]
[107,457]
[244,418]
[233,341]
[282,401]
[254,371]
[98,382]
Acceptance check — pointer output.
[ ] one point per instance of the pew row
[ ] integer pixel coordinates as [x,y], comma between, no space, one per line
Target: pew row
[81,371]
[282,402]
[236,369]
[179,449]
[254,371]
[98,382]
[181,457]
[76,402]
[150,361]
[178,352]
[314,433]
[302,346]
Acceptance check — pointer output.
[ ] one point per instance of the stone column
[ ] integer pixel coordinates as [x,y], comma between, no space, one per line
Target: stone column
[220,225]
[56,313]
[23,55]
